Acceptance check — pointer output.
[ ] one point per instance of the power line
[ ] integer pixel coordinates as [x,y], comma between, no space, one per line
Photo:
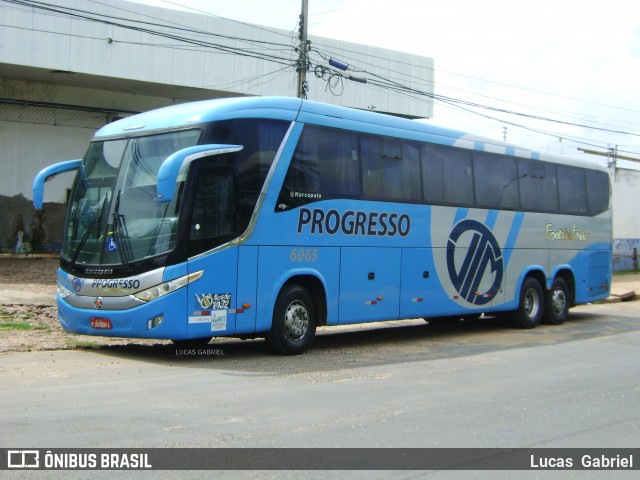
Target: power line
[259,27]
[261,51]
[116,22]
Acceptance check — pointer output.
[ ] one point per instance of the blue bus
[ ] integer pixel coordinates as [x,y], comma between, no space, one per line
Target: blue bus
[268,217]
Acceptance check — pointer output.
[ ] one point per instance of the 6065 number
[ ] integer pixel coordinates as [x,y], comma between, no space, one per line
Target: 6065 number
[304,255]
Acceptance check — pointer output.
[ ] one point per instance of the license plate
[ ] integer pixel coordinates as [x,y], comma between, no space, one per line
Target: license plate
[99,322]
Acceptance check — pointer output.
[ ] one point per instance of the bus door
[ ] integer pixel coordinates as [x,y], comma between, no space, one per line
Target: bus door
[213,223]
[211,298]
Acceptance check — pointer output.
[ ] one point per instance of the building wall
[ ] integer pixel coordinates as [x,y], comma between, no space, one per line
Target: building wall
[626,219]
[37,131]
[51,63]
[77,46]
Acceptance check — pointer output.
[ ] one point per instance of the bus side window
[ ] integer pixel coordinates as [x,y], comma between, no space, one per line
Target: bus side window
[325,165]
[447,176]
[573,191]
[496,181]
[538,186]
[390,170]
[598,192]
[338,164]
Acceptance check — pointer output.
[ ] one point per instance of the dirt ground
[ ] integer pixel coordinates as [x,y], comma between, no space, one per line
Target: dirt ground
[29,327]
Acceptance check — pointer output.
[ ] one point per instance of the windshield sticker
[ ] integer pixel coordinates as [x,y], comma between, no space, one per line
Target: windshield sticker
[112,245]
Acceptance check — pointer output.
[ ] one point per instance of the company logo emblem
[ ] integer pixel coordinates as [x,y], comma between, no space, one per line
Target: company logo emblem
[476,273]
[217,301]
[76,284]
[23,459]
[98,303]
[205,301]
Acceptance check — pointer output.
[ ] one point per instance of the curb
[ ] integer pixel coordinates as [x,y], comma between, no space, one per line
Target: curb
[618,297]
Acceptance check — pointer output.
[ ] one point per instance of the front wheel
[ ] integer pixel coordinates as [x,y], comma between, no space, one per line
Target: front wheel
[557,303]
[294,323]
[530,308]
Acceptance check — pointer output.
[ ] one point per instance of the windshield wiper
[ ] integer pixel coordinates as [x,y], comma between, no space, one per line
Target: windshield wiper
[120,234]
[83,240]
[85,237]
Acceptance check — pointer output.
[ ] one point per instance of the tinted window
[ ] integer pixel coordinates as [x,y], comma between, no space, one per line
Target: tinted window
[226,187]
[496,181]
[325,165]
[390,170]
[597,192]
[538,186]
[447,175]
[330,163]
[572,190]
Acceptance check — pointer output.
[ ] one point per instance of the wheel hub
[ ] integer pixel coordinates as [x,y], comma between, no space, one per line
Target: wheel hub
[531,303]
[296,321]
[558,301]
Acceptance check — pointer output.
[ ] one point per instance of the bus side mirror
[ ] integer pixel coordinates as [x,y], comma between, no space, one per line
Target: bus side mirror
[170,168]
[48,172]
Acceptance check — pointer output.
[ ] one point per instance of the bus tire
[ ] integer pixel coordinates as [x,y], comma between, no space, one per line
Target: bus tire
[294,322]
[531,306]
[557,302]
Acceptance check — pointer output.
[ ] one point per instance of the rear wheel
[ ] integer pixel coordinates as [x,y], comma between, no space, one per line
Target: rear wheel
[557,303]
[531,306]
[294,323]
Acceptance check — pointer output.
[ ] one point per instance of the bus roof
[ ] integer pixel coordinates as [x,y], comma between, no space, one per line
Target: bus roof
[290,109]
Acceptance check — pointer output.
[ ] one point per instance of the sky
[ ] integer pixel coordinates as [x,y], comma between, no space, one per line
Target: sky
[574,62]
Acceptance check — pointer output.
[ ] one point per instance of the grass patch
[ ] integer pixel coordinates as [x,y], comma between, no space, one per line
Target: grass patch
[23,326]
[69,342]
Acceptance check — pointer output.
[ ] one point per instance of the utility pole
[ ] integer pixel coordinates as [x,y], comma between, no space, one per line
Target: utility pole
[612,154]
[302,51]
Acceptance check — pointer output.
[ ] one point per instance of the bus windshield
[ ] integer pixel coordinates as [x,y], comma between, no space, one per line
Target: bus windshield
[114,216]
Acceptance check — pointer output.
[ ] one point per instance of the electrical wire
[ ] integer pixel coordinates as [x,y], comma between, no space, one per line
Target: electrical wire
[277,53]
[117,22]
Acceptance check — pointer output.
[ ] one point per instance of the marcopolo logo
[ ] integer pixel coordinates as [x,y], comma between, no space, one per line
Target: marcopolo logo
[474,261]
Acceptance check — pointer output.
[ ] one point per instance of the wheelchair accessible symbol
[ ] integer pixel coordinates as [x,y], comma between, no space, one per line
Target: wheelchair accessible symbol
[483,258]
[112,244]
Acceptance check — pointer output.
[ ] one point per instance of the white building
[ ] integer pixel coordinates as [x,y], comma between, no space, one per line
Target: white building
[70,66]
[626,219]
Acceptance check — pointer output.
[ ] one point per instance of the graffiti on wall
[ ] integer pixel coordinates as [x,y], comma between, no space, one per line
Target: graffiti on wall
[625,254]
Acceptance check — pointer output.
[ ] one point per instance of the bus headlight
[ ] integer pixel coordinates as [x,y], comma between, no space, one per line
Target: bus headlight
[158,291]
[63,291]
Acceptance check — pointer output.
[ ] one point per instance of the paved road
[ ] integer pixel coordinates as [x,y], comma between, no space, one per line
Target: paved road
[406,384]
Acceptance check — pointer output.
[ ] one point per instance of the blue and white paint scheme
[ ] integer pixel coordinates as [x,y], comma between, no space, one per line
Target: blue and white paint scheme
[270,216]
